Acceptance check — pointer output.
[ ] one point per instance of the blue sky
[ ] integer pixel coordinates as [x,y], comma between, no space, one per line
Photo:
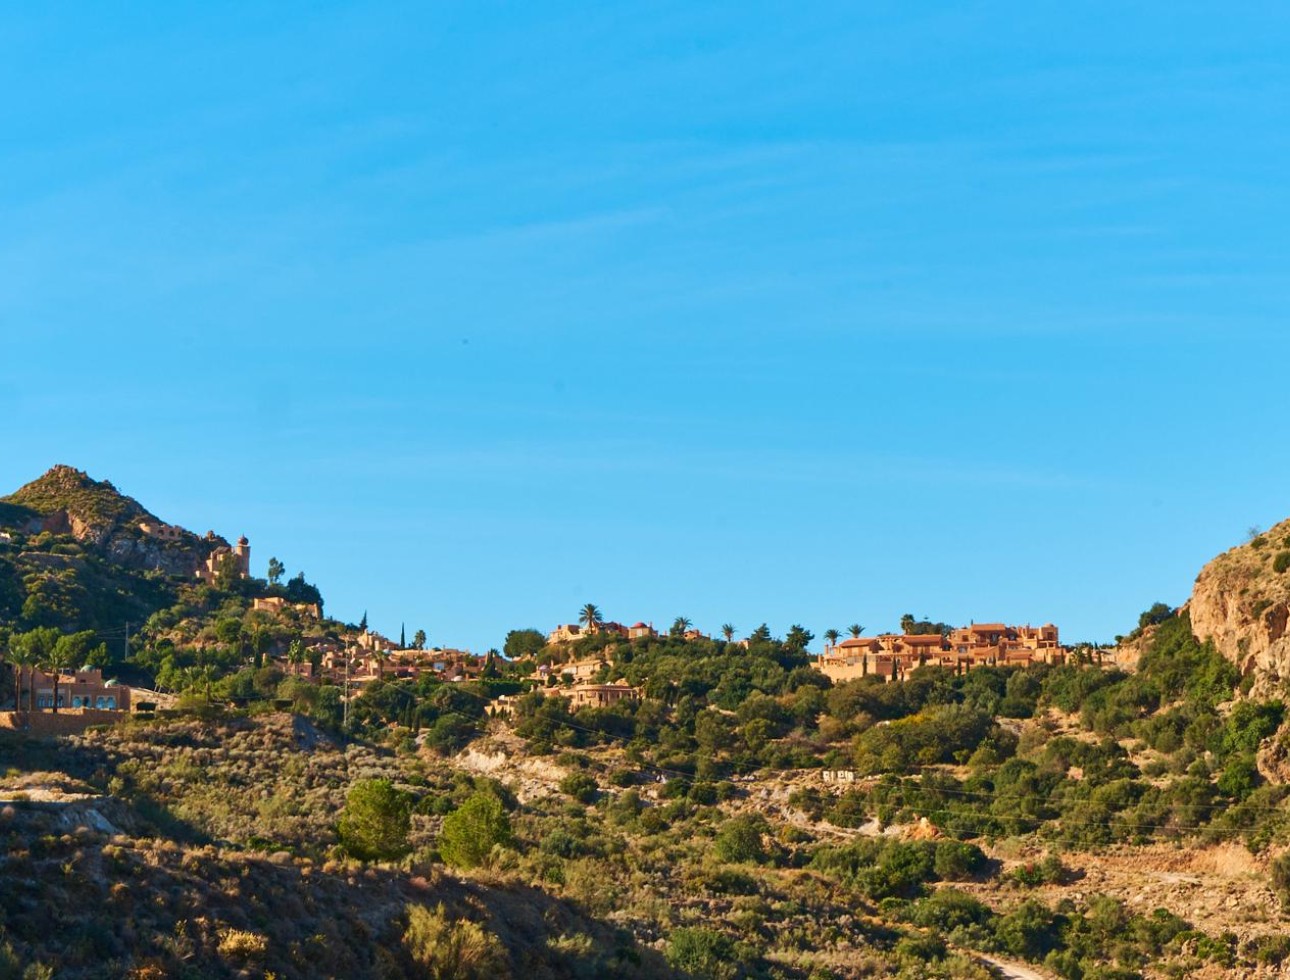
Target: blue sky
[814,313]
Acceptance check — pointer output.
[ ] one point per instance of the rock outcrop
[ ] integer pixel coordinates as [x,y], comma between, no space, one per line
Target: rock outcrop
[66,500]
[1241,601]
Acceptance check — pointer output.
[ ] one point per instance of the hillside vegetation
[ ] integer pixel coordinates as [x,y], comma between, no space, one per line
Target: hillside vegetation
[1089,821]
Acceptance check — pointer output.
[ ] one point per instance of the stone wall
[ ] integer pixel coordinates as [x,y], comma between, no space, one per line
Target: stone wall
[67,721]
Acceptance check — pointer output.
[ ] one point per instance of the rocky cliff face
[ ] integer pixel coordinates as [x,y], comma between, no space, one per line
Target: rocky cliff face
[68,501]
[1242,602]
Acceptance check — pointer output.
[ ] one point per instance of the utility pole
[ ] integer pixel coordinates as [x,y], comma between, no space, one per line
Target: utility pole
[344,725]
[127,643]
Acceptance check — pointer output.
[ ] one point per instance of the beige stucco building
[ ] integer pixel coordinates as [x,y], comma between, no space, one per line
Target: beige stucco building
[208,570]
[892,656]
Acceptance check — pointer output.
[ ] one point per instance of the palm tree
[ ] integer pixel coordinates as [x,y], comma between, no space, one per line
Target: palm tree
[907,622]
[680,625]
[728,631]
[19,657]
[590,617]
[831,637]
[199,676]
[58,659]
[855,629]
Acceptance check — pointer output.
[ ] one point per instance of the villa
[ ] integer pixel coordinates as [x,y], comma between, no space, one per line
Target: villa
[892,656]
[77,689]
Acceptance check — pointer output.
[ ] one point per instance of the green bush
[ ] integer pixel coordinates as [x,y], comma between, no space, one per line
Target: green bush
[376,820]
[1271,949]
[740,839]
[472,830]
[581,786]
[957,860]
[702,953]
[729,881]
[920,950]
[1028,931]
[561,843]
[1049,871]
[948,908]
[1281,562]
[702,793]
[929,737]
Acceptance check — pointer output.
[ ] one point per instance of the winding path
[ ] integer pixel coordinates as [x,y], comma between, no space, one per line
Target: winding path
[1013,971]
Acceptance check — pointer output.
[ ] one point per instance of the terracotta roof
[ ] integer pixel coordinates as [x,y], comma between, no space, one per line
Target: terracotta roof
[640,626]
[988,627]
[916,639]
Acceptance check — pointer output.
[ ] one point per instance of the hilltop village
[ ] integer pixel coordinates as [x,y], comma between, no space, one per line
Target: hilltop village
[576,662]
[224,623]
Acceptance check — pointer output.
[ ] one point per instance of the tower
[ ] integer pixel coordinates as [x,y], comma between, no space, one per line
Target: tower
[243,553]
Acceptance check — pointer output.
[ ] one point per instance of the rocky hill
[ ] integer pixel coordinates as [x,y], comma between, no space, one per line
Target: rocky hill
[67,501]
[73,556]
[78,555]
[1241,601]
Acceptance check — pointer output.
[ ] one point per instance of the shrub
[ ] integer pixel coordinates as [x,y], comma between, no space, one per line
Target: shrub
[622,777]
[580,786]
[957,860]
[702,953]
[240,945]
[1027,931]
[948,908]
[460,949]
[728,881]
[1281,562]
[1049,871]
[1157,614]
[472,830]
[702,793]
[932,736]
[920,950]
[1280,870]
[1270,949]
[741,839]
[376,820]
